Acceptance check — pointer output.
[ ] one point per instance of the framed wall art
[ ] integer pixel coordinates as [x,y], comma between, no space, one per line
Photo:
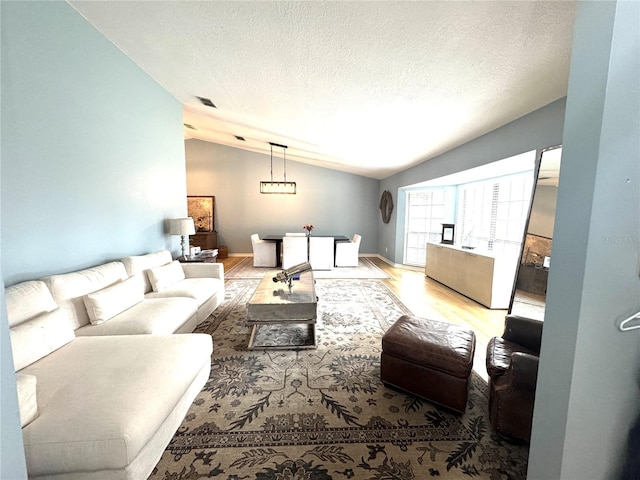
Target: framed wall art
[447,233]
[201,210]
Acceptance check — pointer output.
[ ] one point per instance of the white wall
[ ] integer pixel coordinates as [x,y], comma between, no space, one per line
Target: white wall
[587,393]
[337,203]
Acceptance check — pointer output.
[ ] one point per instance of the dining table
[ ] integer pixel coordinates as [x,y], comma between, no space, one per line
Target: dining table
[278,241]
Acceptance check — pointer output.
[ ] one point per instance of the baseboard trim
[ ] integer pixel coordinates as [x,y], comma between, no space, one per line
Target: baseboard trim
[370,255]
[397,265]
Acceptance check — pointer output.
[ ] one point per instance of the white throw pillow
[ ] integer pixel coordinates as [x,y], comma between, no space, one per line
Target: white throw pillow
[109,302]
[38,337]
[166,275]
[27,398]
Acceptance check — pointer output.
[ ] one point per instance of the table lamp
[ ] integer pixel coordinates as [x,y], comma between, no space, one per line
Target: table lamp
[182,227]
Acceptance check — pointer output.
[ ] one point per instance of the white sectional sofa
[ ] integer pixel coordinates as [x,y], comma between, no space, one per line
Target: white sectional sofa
[102,382]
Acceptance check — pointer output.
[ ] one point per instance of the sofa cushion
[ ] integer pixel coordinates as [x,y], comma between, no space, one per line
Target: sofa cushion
[201,289]
[165,276]
[154,316]
[27,399]
[38,337]
[139,264]
[110,301]
[96,411]
[68,289]
[28,300]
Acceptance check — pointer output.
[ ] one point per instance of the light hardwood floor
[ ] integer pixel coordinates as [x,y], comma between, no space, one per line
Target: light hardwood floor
[427,298]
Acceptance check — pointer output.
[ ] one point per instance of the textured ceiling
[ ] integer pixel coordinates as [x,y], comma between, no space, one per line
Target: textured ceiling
[364,87]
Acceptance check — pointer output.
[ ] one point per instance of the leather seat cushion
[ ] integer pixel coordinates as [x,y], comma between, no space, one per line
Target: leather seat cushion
[439,345]
[499,353]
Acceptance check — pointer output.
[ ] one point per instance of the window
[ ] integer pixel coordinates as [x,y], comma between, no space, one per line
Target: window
[492,213]
[489,215]
[425,210]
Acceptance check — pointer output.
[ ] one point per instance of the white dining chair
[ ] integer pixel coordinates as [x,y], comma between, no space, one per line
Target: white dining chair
[291,234]
[347,252]
[321,253]
[264,252]
[294,250]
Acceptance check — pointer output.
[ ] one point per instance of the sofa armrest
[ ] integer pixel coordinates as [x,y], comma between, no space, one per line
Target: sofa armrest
[523,372]
[203,270]
[512,397]
[523,331]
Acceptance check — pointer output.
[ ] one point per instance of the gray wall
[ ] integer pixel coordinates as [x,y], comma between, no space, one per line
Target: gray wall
[587,394]
[92,162]
[539,129]
[92,147]
[335,202]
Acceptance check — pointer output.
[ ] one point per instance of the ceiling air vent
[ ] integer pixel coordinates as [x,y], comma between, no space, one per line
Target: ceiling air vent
[242,139]
[207,102]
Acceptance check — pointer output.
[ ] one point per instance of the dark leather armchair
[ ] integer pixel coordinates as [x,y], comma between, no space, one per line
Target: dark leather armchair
[512,365]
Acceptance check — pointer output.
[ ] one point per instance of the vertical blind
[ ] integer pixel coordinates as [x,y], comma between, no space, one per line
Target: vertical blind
[492,214]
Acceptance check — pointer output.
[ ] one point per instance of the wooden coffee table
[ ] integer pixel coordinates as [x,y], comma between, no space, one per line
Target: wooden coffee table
[283,318]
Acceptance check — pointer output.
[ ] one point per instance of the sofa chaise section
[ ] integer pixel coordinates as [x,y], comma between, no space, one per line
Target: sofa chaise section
[97,407]
[108,406]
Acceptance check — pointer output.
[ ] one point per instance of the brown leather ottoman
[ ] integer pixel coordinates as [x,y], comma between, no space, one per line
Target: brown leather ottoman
[430,359]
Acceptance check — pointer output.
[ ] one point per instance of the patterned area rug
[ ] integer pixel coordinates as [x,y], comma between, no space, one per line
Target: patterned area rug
[365,269]
[323,413]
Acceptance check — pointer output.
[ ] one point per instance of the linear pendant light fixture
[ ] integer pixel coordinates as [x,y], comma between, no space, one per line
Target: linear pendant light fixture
[278,187]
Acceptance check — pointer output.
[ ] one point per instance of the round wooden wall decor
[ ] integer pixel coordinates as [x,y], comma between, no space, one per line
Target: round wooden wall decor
[386,206]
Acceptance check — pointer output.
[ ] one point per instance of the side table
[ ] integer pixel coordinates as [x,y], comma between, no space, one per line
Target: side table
[211,256]
[198,260]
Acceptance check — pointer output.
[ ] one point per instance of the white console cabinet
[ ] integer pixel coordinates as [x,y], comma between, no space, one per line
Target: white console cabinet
[485,278]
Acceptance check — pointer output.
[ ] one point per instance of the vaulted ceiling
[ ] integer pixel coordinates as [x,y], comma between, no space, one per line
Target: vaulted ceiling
[370,88]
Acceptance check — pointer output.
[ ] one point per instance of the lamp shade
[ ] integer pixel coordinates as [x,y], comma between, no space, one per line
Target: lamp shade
[182,226]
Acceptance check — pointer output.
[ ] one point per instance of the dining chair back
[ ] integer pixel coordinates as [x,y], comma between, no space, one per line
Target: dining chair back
[347,252]
[321,253]
[294,250]
[264,252]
